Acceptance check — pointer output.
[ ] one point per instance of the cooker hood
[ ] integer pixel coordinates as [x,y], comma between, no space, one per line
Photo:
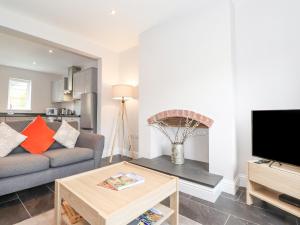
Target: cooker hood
[68,84]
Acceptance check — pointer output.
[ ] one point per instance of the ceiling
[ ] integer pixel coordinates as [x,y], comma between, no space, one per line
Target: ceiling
[21,53]
[94,20]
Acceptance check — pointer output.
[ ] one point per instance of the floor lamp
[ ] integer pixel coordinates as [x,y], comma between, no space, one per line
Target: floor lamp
[122,92]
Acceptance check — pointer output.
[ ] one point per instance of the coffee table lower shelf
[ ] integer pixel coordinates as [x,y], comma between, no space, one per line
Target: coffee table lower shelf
[166,211]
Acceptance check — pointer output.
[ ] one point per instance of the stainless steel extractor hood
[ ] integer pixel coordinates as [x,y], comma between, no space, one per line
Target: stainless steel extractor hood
[71,71]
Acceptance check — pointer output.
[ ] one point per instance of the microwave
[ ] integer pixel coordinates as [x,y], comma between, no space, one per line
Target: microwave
[51,111]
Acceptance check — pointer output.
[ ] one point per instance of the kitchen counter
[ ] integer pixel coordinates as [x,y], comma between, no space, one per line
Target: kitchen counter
[63,116]
[33,115]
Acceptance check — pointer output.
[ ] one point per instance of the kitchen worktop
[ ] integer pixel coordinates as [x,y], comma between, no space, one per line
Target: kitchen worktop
[2,114]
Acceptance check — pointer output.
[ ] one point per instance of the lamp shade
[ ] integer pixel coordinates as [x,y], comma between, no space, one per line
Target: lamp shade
[122,91]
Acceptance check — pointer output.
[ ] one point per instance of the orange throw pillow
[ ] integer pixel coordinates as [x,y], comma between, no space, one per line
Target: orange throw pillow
[39,136]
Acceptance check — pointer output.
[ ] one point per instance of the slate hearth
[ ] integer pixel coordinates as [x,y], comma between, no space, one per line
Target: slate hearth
[191,170]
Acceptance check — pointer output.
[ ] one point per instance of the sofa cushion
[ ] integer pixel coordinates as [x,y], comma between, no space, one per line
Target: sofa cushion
[66,135]
[22,163]
[9,139]
[39,136]
[21,125]
[66,156]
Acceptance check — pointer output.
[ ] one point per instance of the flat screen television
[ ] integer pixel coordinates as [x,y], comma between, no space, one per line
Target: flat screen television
[276,135]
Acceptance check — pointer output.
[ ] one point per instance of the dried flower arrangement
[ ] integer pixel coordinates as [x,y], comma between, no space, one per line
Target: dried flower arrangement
[183,132]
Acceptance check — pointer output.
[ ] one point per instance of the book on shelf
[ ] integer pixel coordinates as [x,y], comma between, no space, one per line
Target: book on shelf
[148,218]
[122,181]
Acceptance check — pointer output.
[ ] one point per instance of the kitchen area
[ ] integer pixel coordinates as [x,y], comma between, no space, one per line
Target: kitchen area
[47,81]
[74,98]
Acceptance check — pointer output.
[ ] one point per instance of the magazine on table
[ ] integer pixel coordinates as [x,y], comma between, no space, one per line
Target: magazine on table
[122,181]
[148,218]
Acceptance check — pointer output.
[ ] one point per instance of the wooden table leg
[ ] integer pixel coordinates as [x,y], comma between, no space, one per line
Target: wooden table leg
[101,221]
[57,204]
[249,198]
[174,204]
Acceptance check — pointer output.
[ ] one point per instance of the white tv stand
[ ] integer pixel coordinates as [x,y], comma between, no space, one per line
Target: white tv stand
[267,183]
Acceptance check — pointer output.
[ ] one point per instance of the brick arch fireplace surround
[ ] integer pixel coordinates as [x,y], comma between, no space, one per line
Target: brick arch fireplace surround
[174,115]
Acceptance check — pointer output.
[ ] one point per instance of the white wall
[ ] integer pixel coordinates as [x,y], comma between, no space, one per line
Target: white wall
[267,62]
[129,74]
[186,63]
[40,87]
[265,40]
[76,43]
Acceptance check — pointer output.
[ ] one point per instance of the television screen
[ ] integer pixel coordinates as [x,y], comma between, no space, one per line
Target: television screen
[276,135]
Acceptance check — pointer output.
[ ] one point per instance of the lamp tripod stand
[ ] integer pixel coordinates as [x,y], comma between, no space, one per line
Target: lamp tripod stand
[122,121]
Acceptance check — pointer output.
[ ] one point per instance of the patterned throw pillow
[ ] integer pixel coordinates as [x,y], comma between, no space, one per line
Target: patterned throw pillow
[9,139]
[66,135]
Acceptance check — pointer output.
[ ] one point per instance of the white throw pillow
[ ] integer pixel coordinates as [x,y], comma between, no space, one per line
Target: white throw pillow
[9,139]
[66,135]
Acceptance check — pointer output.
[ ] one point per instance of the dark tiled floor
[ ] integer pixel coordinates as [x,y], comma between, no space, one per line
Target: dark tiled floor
[227,210]
[12,212]
[25,204]
[116,159]
[37,200]
[240,213]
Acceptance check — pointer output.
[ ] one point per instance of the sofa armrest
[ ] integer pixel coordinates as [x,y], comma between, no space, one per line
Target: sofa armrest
[94,142]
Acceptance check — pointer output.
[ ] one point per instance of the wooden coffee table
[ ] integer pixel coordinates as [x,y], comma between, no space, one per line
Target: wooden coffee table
[101,206]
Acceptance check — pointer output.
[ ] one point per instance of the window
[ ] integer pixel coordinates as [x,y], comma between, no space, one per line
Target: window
[19,94]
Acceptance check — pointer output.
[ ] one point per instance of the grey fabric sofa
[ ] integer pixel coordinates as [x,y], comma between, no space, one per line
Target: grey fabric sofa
[21,170]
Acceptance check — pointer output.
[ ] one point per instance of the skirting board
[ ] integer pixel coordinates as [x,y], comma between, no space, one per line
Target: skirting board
[230,186]
[200,191]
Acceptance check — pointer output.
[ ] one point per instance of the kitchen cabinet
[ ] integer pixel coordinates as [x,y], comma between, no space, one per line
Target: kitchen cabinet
[71,119]
[91,84]
[78,84]
[57,91]
[85,81]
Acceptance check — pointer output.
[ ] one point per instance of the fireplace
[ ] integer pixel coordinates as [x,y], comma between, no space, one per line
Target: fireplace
[176,123]
[195,175]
